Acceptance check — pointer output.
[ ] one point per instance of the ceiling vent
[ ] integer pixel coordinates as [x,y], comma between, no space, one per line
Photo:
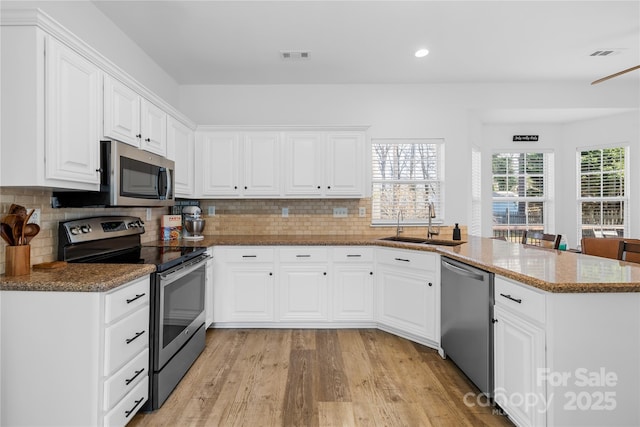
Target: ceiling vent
[605,52]
[295,55]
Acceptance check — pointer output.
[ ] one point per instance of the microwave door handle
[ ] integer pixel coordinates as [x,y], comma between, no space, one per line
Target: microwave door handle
[162,172]
[169,189]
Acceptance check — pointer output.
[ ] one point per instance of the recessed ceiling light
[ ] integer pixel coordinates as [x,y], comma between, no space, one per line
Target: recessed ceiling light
[421,53]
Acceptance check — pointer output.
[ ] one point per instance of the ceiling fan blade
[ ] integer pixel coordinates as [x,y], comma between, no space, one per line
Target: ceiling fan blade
[615,75]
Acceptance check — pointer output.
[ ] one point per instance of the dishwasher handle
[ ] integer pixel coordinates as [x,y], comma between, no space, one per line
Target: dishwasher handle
[462,271]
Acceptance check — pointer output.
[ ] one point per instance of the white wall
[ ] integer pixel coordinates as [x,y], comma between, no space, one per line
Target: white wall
[88,23]
[449,111]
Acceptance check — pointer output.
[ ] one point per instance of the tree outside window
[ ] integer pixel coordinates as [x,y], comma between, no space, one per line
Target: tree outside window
[406,176]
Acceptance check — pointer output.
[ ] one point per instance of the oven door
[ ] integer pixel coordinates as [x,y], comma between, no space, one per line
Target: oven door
[180,310]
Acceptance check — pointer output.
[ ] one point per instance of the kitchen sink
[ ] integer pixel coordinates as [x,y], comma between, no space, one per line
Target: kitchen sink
[422,241]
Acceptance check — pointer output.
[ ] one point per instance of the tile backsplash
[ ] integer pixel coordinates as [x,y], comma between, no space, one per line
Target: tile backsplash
[244,217]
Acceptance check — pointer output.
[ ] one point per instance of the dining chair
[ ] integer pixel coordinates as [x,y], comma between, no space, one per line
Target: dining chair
[541,239]
[606,248]
[631,251]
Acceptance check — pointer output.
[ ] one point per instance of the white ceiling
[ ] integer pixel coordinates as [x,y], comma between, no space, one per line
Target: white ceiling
[238,42]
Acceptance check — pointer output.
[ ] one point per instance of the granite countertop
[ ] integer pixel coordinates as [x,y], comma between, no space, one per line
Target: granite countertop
[76,278]
[546,269]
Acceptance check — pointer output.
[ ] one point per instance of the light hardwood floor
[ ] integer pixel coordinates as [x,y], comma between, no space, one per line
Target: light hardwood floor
[344,377]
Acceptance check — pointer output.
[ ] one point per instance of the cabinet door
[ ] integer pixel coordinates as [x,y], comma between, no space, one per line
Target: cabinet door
[518,355]
[218,160]
[303,292]
[261,164]
[353,291]
[72,111]
[304,162]
[250,292]
[153,128]
[121,116]
[180,148]
[345,164]
[407,300]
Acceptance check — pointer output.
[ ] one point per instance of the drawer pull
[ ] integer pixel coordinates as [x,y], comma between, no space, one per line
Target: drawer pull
[518,300]
[127,382]
[249,256]
[130,340]
[138,296]
[130,411]
[402,259]
[353,256]
[303,256]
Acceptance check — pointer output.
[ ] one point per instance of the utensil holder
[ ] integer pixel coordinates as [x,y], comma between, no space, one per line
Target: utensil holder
[17,260]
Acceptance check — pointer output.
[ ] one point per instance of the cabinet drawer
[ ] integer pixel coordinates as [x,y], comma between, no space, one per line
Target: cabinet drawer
[352,254]
[125,339]
[129,406]
[249,254]
[126,300]
[520,299]
[304,254]
[123,381]
[409,259]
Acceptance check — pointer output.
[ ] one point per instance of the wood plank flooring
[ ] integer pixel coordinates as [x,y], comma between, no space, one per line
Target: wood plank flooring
[344,377]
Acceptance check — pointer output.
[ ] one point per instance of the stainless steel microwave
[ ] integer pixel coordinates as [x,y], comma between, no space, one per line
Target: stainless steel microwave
[129,176]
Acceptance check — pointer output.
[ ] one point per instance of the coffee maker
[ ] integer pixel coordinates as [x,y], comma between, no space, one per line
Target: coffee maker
[193,223]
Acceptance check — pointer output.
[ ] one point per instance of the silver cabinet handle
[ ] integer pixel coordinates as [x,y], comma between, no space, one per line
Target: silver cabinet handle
[518,300]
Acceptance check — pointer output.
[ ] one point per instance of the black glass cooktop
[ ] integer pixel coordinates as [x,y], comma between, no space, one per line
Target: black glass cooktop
[163,257]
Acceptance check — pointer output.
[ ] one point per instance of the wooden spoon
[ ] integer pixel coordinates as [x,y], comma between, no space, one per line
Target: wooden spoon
[30,231]
[7,234]
[24,225]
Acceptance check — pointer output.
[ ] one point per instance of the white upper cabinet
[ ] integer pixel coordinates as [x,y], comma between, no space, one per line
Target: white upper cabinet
[261,164]
[234,164]
[153,128]
[345,164]
[51,112]
[72,107]
[132,119]
[304,164]
[218,164]
[330,164]
[180,148]
[245,162]
[121,112]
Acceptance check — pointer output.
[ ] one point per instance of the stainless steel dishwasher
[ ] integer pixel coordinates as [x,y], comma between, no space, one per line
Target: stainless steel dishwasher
[467,327]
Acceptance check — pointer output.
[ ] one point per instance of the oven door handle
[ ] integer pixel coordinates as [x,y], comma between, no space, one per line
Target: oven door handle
[184,269]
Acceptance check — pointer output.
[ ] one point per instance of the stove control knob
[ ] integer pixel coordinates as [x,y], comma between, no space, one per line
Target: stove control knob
[140,223]
[85,228]
[133,224]
[74,230]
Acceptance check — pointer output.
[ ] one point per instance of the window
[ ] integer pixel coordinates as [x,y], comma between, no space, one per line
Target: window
[522,193]
[602,192]
[406,176]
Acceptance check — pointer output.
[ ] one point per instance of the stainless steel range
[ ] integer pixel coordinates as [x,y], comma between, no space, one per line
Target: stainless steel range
[177,321]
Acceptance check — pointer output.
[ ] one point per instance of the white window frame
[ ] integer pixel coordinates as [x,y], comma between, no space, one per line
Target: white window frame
[436,183]
[547,199]
[624,199]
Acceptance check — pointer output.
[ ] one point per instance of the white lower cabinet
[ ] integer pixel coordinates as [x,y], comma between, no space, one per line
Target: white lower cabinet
[352,278]
[304,290]
[408,297]
[518,356]
[246,284]
[321,286]
[75,358]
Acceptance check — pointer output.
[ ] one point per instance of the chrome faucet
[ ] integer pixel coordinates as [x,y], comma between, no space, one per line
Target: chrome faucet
[432,214]
[399,228]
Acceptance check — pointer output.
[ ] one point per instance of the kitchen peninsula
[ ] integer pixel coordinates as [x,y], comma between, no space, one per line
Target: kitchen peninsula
[569,350]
